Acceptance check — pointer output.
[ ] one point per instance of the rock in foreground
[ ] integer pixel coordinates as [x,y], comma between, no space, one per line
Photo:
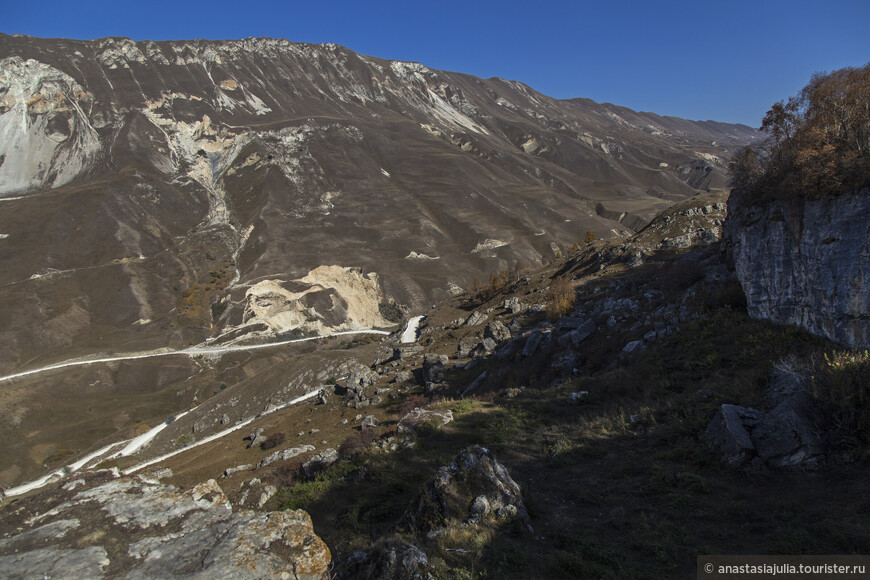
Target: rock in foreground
[139,528]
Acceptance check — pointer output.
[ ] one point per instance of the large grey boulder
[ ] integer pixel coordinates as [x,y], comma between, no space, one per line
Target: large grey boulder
[790,434]
[285,454]
[434,366]
[535,341]
[486,346]
[138,528]
[477,317]
[420,416]
[497,331]
[319,462]
[787,436]
[384,354]
[729,434]
[578,335]
[466,345]
[514,306]
[361,377]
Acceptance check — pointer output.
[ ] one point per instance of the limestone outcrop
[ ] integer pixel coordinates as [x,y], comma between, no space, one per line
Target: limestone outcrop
[806,263]
[97,526]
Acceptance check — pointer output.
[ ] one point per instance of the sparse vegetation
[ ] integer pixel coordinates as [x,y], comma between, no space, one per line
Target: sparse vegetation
[841,383]
[499,281]
[357,442]
[412,402]
[560,298]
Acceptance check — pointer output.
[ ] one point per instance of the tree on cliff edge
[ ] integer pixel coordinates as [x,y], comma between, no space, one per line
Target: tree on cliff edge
[819,141]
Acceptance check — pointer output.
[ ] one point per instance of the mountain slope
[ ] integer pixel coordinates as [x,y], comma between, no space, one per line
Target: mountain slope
[158,194]
[176,174]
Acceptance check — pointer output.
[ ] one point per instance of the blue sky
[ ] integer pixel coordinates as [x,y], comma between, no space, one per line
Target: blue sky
[726,60]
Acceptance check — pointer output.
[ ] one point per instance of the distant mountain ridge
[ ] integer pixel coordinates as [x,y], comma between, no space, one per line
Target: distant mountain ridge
[259,186]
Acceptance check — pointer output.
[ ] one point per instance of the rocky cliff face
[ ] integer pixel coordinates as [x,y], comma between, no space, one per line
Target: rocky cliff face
[806,263]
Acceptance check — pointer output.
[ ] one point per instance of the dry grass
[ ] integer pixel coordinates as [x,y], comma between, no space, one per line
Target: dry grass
[560,298]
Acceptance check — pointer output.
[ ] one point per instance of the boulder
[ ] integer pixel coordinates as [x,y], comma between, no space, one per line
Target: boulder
[579,334]
[369,422]
[361,377]
[466,345]
[486,346]
[256,436]
[535,341]
[497,331]
[144,529]
[233,470]
[403,377]
[476,318]
[790,434]
[419,416]
[567,323]
[728,434]
[633,346]
[448,500]
[388,560]
[433,368]
[566,361]
[385,354]
[476,382]
[285,454]
[787,436]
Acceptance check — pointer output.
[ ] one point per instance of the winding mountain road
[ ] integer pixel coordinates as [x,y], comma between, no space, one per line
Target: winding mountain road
[132,446]
[192,351]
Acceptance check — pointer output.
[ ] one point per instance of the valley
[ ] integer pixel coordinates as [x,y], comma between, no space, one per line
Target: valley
[275,309]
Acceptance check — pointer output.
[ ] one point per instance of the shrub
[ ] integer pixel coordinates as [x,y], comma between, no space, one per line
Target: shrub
[357,442]
[184,441]
[284,475]
[273,440]
[218,308]
[560,299]
[412,403]
[842,385]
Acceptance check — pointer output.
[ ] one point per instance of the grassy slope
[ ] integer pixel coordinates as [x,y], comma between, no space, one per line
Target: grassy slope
[613,495]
